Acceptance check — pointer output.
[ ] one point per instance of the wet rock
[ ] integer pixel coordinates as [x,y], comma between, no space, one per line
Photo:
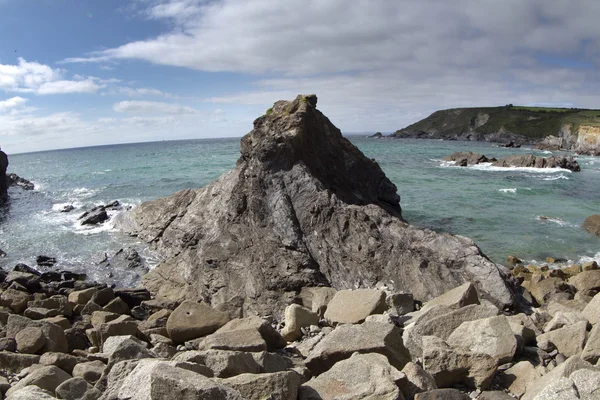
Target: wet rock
[369,337]
[16,180]
[353,306]
[193,320]
[592,224]
[298,175]
[531,161]
[45,261]
[96,215]
[361,376]
[464,159]
[296,318]
[3,177]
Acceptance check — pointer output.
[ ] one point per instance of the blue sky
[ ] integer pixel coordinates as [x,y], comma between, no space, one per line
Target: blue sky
[78,73]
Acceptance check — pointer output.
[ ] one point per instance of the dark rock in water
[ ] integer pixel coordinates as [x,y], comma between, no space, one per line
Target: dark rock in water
[3,177]
[463,159]
[124,259]
[2,253]
[113,205]
[45,261]
[16,180]
[67,208]
[303,207]
[531,161]
[592,224]
[511,144]
[377,135]
[95,216]
[528,160]
[26,268]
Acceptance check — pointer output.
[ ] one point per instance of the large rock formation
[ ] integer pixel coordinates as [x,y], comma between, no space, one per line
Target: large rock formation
[3,180]
[303,207]
[525,160]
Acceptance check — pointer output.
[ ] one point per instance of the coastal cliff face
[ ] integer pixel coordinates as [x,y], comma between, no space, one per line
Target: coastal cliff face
[3,179]
[303,207]
[566,129]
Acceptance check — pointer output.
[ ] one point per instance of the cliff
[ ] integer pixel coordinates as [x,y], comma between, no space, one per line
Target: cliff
[302,207]
[522,125]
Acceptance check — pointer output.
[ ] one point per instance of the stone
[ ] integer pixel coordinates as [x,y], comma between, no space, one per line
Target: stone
[564,370]
[133,297]
[591,312]
[103,296]
[15,362]
[90,371]
[76,339]
[354,306]
[441,321]
[586,280]
[193,320]
[59,321]
[55,340]
[163,350]
[562,389]
[561,319]
[369,337]
[323,212]
[296,318]
[66,362]
[591,351]
[58,303]
[458,297]
[8,344]
[442,394]
[82,296]
[16,300]
[240,340]
[113,342]
[568,340]
[517,378]
[316,299]
[400,303]
[96,215]
[46,378]
[492,336]
[272,362]
[495,395]
[562,303]
[224,364]
[76,389]
[30,340]
[117,306]
[272,338]
[129,349]
[587,383]
[155,381]
[592,224]
[102,317]
[362,376]
[156,339]
[529,160]
[272,386]
[124,325]
[30,393]
[543,290]
[450,366]
[417,380]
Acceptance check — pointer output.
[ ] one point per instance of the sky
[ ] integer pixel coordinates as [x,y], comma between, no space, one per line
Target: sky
[91,72]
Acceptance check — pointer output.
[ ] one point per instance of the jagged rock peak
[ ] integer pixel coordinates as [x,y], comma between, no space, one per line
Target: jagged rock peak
[295,131]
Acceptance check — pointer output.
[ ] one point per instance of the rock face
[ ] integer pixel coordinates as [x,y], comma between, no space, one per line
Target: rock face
[3,181]
[303,207]
[592,224]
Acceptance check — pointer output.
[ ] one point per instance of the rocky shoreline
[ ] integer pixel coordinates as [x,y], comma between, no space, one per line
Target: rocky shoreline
[295,276]
[464,159]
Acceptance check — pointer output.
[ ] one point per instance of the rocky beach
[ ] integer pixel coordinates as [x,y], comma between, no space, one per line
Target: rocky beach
[296,276]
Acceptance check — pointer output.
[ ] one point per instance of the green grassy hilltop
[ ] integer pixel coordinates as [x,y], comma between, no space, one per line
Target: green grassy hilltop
[529,123]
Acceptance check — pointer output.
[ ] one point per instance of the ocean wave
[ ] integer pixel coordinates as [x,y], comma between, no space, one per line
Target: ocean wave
[557,221]
[490,167]
[510,190]
[554,178]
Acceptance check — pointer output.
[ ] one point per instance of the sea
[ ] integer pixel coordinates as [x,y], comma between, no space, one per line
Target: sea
[529,213]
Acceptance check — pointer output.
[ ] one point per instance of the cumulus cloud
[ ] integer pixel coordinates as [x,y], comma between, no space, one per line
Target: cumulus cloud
[33,77]
[12,104]
[151,107]
[139,92]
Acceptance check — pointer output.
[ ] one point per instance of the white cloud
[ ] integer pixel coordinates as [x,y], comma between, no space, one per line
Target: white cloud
[151,107]
[33,77]
[139,92]
[12,103]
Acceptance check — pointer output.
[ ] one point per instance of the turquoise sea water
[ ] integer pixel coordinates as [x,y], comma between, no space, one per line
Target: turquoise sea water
[501,209]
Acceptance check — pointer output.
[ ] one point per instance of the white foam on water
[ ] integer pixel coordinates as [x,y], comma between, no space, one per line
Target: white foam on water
[83,192]
[554,178]
[556,221]
[546,152]
[490,167]
[509,190]
[584,259]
